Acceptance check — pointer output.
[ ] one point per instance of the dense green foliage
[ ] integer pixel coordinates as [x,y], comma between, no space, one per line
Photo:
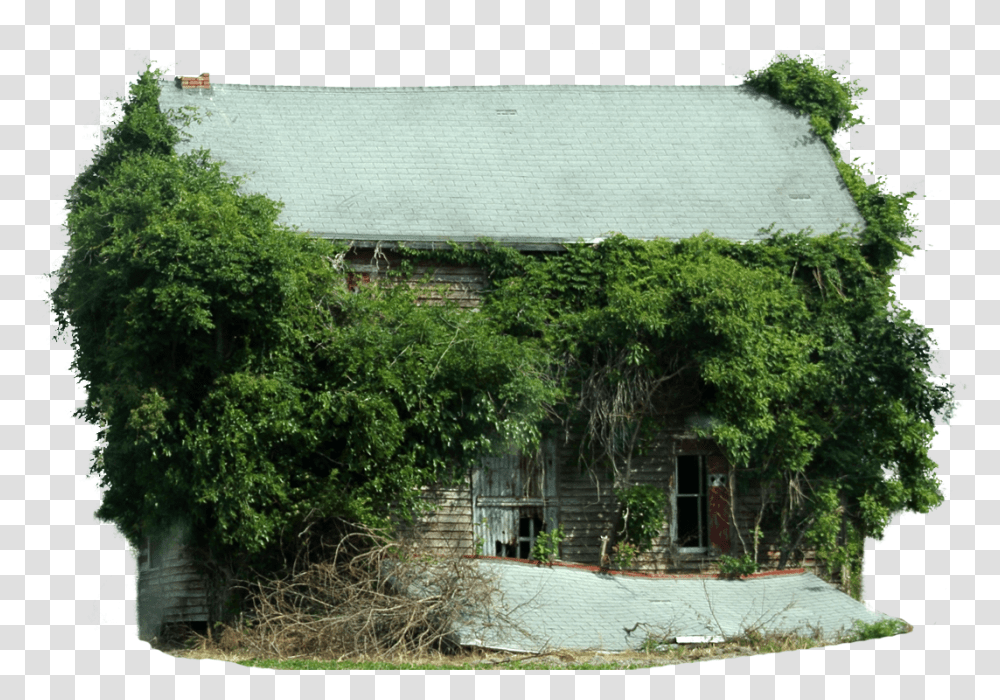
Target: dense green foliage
[810,373]
[546,546]
[641,515]
[735,567]
[830,104]
[242,388]
[814,378]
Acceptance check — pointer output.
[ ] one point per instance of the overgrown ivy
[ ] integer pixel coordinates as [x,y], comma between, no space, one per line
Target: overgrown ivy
[814,376]
[830,105]
[241,387]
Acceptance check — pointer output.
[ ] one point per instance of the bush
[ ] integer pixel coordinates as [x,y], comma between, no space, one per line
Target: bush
[546,547]
[734,567]
[641,515]
[624,554]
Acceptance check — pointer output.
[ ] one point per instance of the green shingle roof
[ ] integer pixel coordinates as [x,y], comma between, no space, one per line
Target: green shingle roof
[525,164]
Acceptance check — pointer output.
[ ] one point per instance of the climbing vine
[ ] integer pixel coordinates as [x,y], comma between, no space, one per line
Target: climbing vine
[241,385]
[829,103]
[241,388]
[813,375]
[641,513]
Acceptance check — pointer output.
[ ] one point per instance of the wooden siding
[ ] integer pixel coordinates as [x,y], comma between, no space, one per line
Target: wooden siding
[587,506]
[583,502]
[747,506]
[459,284]
[446,531]
[173,591]
[587,509]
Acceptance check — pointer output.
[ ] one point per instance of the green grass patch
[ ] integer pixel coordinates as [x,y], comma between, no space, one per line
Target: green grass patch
[654,652]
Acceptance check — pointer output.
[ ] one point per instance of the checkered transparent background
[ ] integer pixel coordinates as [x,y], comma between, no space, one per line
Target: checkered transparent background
[67,583]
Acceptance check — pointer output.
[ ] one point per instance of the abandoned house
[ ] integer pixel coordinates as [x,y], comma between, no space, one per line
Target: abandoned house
[533,167]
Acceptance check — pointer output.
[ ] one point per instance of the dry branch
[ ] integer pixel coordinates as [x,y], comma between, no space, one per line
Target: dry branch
[370,597]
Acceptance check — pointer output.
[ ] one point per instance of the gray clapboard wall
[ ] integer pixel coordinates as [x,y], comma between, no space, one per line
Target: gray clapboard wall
[169,587]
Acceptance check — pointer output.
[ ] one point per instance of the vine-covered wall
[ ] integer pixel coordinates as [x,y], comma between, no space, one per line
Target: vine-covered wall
[816,381]
[246,383]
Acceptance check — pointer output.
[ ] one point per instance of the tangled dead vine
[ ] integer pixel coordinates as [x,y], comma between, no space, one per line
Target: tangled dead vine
[617,396]
[370,596]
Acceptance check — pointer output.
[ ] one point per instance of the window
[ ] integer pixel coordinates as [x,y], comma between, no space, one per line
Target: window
[155,553]
[691,503]
[528,530]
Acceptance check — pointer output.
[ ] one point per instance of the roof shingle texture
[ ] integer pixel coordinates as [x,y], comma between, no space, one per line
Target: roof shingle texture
[522,164]
[565,608]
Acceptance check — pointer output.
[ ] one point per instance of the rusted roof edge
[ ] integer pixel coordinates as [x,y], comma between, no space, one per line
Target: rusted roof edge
[635,574]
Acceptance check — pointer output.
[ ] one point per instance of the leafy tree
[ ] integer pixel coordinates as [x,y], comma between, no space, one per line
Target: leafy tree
[241,388]
[817,381]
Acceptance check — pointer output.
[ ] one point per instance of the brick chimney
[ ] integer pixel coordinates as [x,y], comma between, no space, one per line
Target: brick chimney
[200,81]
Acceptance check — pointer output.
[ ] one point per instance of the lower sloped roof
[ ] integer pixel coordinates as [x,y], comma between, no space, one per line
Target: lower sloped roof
[541,607]
[523,164]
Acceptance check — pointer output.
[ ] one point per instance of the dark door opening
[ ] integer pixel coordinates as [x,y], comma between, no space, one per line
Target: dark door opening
[692,502]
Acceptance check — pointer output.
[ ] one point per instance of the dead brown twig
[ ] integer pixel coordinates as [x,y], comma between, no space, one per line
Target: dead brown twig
[372,596]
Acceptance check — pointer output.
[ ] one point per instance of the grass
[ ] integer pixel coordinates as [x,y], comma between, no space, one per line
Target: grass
[654,653]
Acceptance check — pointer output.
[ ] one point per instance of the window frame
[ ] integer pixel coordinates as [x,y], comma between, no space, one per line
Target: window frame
[702,504]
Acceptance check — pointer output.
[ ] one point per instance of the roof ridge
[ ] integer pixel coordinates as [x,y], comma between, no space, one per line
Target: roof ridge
[499,88]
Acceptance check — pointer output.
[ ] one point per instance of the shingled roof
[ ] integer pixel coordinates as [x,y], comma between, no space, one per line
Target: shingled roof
[528,165]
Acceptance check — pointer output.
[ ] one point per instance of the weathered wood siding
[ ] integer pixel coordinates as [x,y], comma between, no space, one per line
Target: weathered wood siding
[169,588]
[747,507]
[582,501]
[587,505]
[588,509]
[446,531]
[459,284]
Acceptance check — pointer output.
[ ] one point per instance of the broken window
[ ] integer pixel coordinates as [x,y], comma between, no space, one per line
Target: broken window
[691,503]
[514,499]
[528,530]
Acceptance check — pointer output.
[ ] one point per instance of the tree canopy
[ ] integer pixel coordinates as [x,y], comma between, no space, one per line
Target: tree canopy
[818,382]
[240,386]
[243,388]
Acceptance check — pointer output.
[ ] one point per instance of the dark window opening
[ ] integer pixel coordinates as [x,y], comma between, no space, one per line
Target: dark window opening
[692,501]
[155,553]
[528,530]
